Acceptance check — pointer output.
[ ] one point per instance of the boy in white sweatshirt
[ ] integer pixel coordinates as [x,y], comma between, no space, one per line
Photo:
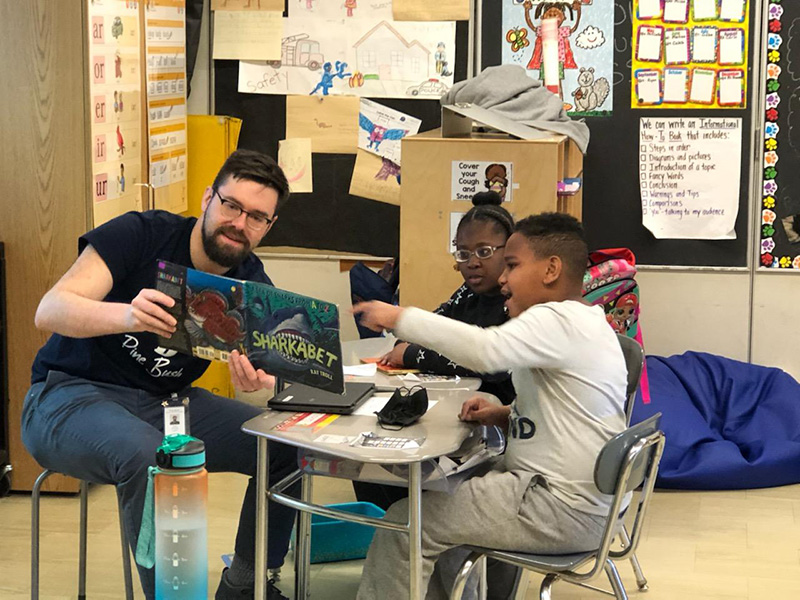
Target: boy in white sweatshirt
[569,373]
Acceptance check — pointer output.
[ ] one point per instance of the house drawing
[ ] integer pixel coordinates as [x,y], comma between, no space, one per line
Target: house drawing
[382,51]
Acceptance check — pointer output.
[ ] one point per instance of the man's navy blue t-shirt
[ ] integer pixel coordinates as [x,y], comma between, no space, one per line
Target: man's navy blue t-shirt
[131,245]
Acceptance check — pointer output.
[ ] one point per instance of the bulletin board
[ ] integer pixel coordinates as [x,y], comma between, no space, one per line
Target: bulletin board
[330,218]
[779,240]
[612,212]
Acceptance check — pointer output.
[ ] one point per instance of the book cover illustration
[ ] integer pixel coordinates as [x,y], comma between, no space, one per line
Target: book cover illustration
[288,335]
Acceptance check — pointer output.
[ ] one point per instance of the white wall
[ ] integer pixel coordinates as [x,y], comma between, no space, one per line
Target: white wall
[776,327]
[316,276]
[695,310]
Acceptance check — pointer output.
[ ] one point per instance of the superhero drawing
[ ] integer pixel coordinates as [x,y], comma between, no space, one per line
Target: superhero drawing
[377,133]
[328,76]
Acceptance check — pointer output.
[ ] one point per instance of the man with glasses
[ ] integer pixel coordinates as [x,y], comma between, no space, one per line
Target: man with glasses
[94,410]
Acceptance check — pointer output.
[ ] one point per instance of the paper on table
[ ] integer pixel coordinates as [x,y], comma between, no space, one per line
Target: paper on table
[330,122]
[381,128]
[365,370]
[375,178]
[426,10]
[277,5]
[247,35]
[294,157]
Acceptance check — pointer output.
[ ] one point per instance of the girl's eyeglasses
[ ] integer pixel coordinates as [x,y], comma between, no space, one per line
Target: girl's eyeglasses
[482,253]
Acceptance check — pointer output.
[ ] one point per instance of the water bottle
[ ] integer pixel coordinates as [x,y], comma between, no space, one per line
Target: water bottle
[180,490]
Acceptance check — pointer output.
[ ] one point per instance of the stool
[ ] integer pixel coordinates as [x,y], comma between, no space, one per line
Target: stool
[84,495]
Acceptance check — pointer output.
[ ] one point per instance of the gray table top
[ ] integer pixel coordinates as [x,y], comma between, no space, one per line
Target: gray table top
[440,427]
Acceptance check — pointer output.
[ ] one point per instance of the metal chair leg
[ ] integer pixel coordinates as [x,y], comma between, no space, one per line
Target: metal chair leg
[35,497]
[463,575]
[82,540]
[616,582]
[126,552]
[546,590]
[641,580]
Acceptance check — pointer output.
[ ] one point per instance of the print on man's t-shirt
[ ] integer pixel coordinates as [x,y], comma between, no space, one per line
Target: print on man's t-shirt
[159,363]
[522,428]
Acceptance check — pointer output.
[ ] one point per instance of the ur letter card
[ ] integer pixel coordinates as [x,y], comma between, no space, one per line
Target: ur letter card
[283,333]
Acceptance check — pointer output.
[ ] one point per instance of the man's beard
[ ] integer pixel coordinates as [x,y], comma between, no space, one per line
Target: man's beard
[224,255]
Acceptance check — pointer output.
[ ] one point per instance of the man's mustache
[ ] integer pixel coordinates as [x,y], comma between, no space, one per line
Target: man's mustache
[232,233]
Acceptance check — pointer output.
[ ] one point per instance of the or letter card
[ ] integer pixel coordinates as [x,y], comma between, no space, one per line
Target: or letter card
[649,43]
[676,11]
[704,10]
[732,10]
[676,85]
[704,44]
[731,46]
[731,87]
[702,90]
[676,46]
[648,86]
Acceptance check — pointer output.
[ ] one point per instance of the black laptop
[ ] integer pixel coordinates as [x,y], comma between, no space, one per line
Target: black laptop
[302,398]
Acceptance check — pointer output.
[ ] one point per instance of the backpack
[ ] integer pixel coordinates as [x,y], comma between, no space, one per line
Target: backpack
[610,282]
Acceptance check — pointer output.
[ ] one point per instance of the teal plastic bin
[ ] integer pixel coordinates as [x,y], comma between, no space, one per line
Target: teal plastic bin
[334,540]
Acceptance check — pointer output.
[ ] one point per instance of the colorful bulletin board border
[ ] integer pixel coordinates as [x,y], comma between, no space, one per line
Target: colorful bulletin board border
[769,218]
[703,62]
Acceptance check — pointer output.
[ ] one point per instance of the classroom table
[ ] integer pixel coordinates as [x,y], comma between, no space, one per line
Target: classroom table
[443,433]
[354,351]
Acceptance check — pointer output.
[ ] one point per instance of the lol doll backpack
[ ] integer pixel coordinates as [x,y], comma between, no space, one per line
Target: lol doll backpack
[610,281]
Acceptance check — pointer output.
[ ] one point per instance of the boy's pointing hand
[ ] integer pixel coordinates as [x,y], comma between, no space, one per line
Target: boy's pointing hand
[378,315]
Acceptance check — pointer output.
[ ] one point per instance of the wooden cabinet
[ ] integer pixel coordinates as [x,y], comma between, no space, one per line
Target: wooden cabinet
[44,167]
[436,170]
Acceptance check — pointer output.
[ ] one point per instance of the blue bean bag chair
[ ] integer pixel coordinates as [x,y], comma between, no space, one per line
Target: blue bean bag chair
[728,424]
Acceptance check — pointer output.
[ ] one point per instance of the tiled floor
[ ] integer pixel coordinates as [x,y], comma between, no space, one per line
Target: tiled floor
[742,545]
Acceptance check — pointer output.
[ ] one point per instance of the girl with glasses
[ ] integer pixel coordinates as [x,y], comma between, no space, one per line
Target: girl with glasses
[480,238]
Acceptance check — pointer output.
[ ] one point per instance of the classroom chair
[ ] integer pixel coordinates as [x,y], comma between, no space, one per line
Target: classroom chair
[84,495]
[634,363]
[627,461]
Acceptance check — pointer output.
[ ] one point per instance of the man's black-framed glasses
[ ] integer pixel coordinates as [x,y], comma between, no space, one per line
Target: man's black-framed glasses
[482,253]
[231,210]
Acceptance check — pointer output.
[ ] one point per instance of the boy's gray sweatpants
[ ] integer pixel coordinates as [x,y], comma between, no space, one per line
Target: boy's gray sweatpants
[508,510]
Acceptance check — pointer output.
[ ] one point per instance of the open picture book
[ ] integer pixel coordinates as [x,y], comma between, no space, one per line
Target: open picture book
[288,335]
